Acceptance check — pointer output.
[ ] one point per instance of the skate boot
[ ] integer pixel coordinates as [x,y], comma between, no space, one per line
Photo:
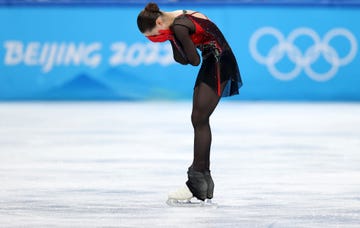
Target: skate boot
[184,198]
[182,194]
[197,184]
[210,184]
[196,187]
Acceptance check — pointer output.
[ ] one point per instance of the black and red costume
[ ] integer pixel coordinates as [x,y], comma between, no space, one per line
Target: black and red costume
[218,61]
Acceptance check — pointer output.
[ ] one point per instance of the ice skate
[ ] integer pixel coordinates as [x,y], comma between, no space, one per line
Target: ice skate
[201,186]
[198,191]
[184,198]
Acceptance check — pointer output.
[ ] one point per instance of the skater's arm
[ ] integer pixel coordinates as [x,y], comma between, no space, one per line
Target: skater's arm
[182,34]
[178,53]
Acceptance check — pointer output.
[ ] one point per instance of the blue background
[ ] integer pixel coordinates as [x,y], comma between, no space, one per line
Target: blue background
[132,78]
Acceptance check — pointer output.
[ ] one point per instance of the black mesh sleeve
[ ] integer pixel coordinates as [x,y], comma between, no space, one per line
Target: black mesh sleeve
[187,51]
[178,53]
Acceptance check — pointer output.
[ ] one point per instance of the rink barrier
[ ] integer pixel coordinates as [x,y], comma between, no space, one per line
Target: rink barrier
[81,53]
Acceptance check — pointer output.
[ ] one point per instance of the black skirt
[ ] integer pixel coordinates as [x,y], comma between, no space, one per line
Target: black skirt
[219,71]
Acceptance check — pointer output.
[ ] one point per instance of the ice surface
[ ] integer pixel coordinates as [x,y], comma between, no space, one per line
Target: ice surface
[112,165]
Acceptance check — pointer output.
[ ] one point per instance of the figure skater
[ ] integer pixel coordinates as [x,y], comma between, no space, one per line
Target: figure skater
[218,77]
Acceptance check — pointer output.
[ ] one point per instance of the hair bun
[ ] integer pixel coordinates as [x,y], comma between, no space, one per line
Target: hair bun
[152,7]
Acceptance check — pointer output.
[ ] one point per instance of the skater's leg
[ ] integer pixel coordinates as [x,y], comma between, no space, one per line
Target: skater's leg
[205,101]
[199,181]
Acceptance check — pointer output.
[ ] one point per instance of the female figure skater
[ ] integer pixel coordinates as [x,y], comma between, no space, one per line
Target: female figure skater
[219,76]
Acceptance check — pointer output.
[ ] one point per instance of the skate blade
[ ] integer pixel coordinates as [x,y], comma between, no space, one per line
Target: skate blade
[191,203]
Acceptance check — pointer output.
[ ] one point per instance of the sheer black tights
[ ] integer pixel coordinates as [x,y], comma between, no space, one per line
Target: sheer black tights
[205,101]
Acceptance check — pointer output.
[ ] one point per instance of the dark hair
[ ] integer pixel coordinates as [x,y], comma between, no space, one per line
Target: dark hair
[147,17]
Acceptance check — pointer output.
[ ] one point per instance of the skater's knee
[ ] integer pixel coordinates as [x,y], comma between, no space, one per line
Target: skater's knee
[199,119]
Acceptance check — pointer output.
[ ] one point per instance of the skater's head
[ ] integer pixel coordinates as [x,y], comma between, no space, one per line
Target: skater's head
[151,20]
[146,20]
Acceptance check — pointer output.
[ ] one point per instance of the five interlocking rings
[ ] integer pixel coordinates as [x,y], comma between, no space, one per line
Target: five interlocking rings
[303,60]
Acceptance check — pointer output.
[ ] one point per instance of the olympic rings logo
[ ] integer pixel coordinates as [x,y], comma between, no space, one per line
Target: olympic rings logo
[285,47]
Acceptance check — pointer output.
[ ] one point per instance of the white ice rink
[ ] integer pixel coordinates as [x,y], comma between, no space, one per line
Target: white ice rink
[112,165]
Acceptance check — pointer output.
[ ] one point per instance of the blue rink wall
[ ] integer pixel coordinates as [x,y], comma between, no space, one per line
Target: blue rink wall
[88,53]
